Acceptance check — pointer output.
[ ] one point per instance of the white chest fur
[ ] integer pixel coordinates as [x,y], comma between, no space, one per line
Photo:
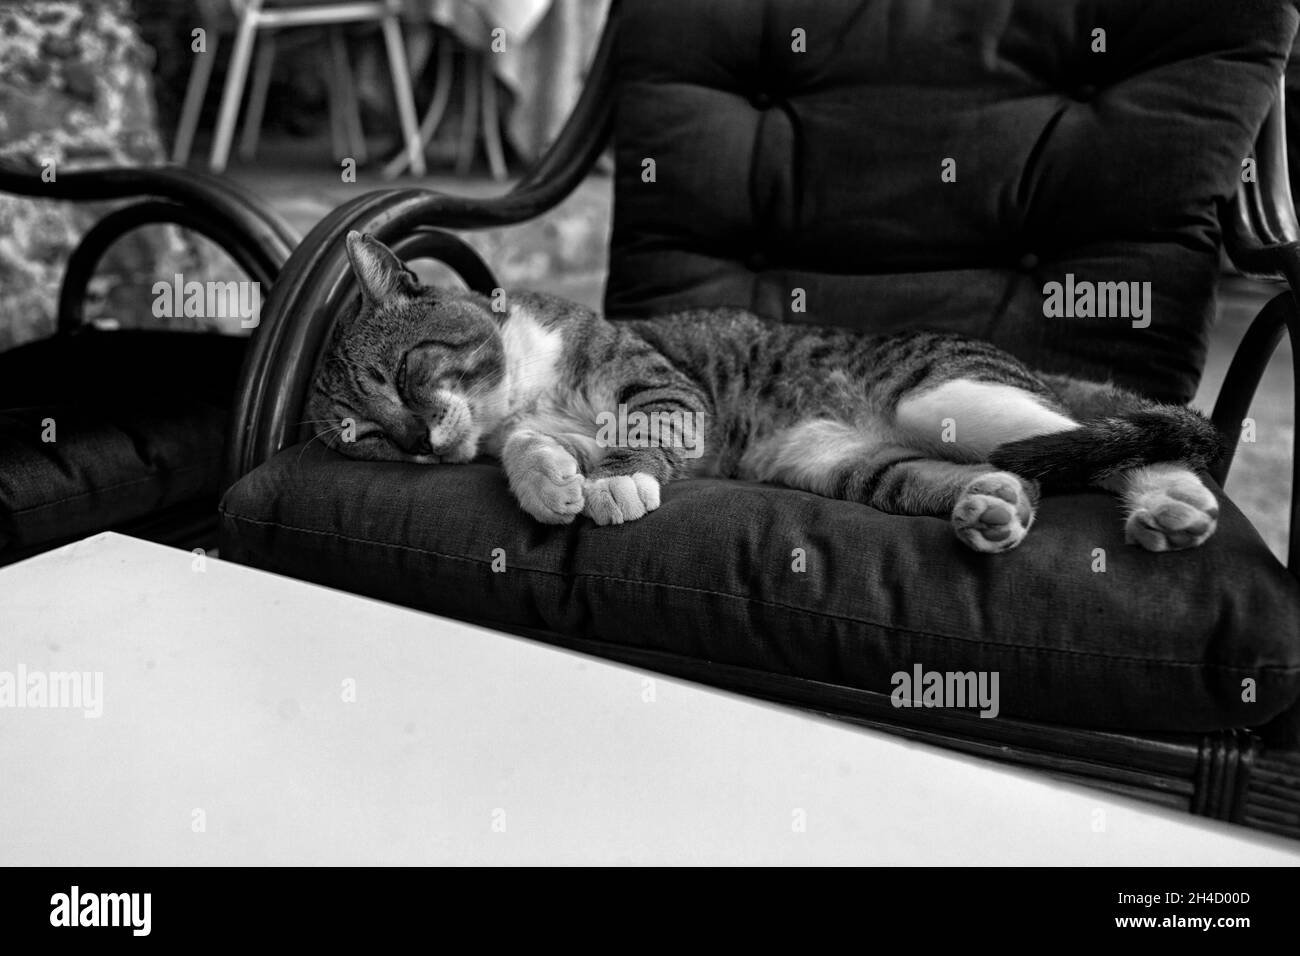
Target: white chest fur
[539,395]
[533,355]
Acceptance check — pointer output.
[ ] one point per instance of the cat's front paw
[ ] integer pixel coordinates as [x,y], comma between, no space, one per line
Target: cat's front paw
[618,498]
[994,512]
[1169,510]
[549,486]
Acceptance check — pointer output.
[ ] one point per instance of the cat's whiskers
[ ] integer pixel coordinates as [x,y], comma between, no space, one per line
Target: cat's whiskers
[324,435]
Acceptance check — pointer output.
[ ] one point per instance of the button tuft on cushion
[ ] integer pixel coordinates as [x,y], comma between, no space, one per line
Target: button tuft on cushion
[762,101]
[1028,261]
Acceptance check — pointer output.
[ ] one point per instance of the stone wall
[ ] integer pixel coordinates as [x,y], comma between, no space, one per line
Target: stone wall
[75,91]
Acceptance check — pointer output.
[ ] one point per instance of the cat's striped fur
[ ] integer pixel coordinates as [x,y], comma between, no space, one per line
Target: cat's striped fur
[918,423]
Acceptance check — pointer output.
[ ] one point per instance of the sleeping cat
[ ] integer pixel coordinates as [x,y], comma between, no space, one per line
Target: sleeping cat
[916,423]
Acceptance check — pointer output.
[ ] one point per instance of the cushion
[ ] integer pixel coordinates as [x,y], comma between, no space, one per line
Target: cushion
[807,186]
[1152,642]
[139,424]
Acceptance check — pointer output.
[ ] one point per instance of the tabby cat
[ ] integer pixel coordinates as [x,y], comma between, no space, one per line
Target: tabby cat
[590,417]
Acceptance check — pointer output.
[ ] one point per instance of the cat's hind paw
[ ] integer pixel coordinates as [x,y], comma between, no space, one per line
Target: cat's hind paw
[618,498]
[993,512]
[1169,510]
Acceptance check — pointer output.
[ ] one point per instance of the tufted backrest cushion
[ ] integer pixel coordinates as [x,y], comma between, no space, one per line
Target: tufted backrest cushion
[890,164]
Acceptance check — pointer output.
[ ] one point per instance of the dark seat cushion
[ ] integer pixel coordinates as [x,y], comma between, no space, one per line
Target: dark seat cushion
[779,171]
[1155,642]
[139,423]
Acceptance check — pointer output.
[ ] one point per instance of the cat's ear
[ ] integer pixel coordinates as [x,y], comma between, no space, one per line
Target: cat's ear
[381,274]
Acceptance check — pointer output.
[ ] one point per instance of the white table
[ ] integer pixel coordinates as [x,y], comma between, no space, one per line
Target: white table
[223,694]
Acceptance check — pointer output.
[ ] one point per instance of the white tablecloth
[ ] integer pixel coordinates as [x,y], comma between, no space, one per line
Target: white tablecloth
[548,45]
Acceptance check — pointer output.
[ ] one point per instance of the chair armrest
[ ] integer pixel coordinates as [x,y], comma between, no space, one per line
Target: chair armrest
[259,263]
[316,285]
[265,238]
[1238,390]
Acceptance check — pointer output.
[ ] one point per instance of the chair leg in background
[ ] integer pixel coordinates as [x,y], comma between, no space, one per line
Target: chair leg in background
[233,92]
[445,51]
[349,106]
[402,91]
[195,90]
[257,98]
[492,121]
[334,101]
[469,115]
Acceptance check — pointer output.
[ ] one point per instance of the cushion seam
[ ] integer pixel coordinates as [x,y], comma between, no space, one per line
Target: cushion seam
[786,607]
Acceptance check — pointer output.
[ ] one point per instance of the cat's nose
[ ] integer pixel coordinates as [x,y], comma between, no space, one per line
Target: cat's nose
[447,426]
[415,441]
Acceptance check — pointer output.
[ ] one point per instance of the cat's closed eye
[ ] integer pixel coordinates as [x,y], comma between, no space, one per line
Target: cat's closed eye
[369,444]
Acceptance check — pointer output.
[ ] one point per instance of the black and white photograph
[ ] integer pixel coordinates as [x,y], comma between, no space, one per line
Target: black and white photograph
[649,433]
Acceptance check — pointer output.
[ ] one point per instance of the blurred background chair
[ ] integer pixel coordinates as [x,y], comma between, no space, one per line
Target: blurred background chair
[480,109]
[492,81]
[257,24]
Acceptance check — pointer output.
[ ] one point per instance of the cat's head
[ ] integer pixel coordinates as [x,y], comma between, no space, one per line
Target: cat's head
[418,375]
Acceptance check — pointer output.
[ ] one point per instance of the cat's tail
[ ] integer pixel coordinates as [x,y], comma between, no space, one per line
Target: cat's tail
[1103,447]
